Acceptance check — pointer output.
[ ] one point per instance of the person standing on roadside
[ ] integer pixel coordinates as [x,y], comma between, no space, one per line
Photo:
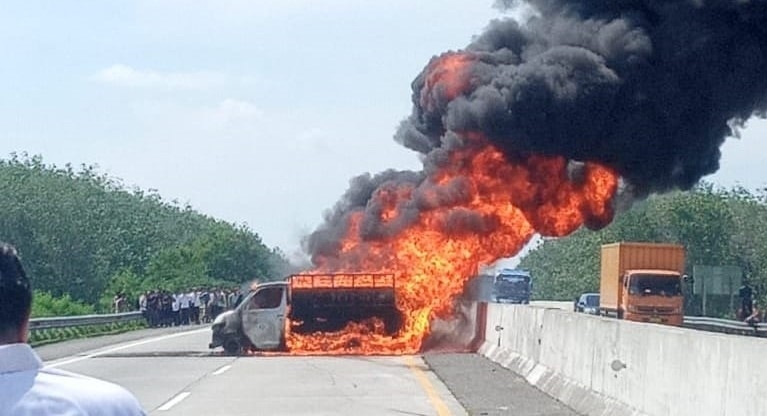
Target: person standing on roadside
[746,295]
[204,309]
[212,304]
[755,317]
[220,301]
[26,387]
[185,303]
[194,311]
[231,299]
[176,307]
[142,305]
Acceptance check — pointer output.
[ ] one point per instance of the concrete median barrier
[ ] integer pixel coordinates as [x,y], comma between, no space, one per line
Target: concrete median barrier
[602,366]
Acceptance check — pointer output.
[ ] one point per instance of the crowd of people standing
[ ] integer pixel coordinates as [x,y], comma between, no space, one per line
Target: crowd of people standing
[193,306]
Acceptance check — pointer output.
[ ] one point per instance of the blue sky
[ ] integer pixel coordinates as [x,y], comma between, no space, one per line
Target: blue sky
[252,111]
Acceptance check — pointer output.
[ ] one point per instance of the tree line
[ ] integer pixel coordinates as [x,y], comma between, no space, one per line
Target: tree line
[717,226]
[85,236]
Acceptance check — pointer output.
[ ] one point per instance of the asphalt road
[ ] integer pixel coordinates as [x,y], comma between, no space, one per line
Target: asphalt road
[175,374]
[55,351]
[172,372]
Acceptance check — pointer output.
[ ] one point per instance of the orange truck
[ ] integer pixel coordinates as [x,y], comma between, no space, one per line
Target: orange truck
[642,282]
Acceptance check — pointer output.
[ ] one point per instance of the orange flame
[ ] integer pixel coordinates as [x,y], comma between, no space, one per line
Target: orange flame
[503,205]
[447,76]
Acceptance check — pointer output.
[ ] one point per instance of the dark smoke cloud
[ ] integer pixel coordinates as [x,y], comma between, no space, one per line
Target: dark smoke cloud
[371,195]
[325,241]
[651,88]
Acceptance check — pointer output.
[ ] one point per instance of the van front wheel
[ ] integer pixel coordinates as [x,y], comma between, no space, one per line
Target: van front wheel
[232,346]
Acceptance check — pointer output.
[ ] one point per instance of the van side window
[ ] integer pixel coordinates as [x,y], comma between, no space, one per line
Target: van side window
[267,298]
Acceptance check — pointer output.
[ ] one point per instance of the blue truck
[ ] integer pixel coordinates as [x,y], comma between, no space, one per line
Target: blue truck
[512,286]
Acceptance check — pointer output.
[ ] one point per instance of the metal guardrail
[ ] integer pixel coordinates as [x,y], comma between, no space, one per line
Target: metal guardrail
[38,324]
[725,326]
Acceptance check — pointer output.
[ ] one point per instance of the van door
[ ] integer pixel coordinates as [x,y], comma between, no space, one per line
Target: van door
[263,317]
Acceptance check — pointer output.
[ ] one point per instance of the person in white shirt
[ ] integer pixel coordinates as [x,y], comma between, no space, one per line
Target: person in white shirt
[184,302]
[142,304]
[175,307]
[26,387]
[194,311]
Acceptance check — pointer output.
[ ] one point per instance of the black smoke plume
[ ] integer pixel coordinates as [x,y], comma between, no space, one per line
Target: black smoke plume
[650,88]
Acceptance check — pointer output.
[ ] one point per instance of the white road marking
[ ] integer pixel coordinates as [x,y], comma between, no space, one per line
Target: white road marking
[174,401]
[222,370]
[122,347]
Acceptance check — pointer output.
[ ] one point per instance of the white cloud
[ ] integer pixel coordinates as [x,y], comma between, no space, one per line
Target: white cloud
[226,118]
[312,140]
[126,76]
[232,112]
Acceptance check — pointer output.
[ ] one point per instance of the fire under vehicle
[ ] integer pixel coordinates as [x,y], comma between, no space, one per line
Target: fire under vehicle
[642,282]
[305,303]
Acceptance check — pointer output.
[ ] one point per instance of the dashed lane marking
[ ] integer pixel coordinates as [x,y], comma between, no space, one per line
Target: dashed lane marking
[222,370]
[174,401]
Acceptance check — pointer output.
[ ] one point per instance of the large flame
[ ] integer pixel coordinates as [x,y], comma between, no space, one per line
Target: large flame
[500,205]
[505,204]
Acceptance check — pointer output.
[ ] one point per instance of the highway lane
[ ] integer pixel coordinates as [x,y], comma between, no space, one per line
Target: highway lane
[175,374]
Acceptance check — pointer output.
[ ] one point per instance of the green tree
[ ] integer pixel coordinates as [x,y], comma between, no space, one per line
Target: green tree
[84,234]
[716,226]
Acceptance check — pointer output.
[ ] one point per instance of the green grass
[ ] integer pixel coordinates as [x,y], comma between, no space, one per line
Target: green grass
[54,335]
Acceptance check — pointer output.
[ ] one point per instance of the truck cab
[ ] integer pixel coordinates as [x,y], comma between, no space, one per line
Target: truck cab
[652,296]
[512,285]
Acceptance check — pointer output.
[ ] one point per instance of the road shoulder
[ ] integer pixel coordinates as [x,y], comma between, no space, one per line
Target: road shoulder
[485,388]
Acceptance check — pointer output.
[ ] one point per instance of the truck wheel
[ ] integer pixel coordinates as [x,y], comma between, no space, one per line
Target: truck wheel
[232,346]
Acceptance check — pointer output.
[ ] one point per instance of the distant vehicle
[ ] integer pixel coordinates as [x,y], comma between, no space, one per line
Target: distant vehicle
[312,302]
[512,286]
[642,282]
[588,303]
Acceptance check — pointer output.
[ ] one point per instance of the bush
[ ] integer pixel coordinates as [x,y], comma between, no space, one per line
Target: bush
[46,305]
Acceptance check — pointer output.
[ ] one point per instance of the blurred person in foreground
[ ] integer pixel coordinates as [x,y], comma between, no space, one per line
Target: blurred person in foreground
[26,387]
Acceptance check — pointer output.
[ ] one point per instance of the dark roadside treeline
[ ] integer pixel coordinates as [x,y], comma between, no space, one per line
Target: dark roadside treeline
[84,237]
[718,227]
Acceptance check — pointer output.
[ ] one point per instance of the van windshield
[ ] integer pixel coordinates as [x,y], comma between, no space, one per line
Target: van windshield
[650,284]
